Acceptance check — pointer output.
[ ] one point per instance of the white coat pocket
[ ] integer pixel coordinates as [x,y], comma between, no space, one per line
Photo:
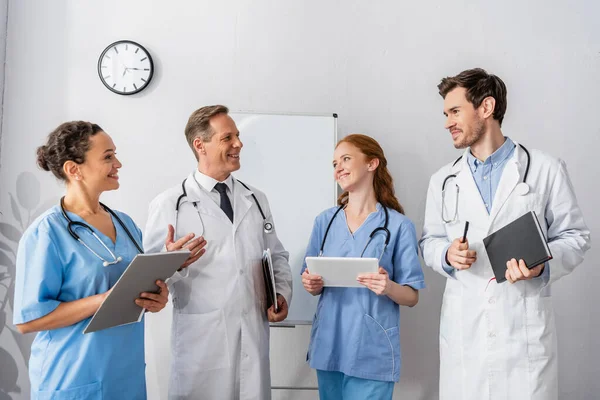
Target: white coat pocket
[200,342]
[450,335]
[540,333]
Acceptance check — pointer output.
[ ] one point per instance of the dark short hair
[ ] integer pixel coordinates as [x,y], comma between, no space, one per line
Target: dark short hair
[69,142]
[479,85]
[199,124]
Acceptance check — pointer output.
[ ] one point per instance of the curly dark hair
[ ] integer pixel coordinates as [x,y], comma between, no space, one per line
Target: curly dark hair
[68,142]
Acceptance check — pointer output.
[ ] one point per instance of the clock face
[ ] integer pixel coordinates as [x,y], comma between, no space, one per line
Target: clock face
[125,67]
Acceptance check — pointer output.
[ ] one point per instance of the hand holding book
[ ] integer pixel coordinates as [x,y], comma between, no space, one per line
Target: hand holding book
[518,271]
[523,240]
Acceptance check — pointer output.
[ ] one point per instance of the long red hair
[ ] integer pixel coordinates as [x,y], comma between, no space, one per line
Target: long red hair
[383,184]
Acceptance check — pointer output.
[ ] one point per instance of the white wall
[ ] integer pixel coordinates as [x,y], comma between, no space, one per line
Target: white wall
[374,63]
[3,29]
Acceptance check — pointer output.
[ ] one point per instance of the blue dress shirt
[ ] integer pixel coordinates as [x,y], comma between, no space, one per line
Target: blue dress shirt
[486,175]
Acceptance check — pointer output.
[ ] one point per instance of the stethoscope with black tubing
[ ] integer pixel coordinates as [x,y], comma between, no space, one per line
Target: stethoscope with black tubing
[383,229]
[267,226]
[521,189]
[72,224]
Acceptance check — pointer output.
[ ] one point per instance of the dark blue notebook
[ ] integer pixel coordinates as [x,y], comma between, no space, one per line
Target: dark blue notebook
[521,239]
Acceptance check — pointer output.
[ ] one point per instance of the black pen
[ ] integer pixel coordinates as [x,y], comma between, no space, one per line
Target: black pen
[464,236]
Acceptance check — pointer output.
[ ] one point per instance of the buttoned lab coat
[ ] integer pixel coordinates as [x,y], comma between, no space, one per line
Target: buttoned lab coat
[497,341]
[220,331]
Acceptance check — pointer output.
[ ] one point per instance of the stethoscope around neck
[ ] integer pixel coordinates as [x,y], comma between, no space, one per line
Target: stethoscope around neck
[383,229]
[267,226]
[522,188]
[72,224]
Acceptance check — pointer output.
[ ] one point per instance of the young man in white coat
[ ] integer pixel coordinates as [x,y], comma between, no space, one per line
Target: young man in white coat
[497,341]
[220,331]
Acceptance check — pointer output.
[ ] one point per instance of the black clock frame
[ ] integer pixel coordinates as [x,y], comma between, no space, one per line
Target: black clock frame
[134,44]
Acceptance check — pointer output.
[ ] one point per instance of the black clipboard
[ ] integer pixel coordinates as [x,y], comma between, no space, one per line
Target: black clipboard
[269,278]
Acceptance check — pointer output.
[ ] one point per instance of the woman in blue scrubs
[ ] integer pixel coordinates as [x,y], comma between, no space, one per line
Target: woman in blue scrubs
[355,338]
[61,282]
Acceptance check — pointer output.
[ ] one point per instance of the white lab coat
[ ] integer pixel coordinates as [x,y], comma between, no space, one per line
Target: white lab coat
[497,341]
[220,331]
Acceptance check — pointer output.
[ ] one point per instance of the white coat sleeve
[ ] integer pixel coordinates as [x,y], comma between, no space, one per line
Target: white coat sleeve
[160,215]
[434,240]
[568,235]
[280,258]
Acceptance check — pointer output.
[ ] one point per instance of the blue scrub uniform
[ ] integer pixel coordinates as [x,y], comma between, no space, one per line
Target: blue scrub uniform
[354,331]
[52,268]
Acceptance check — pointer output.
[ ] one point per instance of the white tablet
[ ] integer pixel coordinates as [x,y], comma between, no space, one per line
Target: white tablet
[341,271]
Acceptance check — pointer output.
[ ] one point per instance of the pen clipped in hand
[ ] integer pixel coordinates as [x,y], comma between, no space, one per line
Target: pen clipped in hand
[464,236]
[459,256]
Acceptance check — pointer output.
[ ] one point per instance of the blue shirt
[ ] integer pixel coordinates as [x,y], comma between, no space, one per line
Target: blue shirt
[52,268]
[355,331]
[487,174]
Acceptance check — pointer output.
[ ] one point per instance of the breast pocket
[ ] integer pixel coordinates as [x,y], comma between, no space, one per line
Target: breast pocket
[92,391]
[251,228]
[521,204]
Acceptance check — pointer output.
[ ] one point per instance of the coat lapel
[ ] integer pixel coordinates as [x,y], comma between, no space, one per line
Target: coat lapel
[205,204]
[241,203]
[469,195]
[508,181]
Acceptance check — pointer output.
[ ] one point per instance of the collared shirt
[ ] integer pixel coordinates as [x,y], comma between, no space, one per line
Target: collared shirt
[208,184]
[487,173]
[487,176]
[355,331]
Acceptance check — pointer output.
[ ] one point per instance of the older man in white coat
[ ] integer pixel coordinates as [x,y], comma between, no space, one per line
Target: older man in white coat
[497,340]
[220,332]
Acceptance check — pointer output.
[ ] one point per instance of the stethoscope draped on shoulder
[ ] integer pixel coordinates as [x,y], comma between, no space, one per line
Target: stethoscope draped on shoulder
[521,189]
[267,226]
[71,225]
[383,229]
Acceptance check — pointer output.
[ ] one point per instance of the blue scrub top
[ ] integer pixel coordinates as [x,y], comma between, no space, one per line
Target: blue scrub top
[355,331]
[52,268]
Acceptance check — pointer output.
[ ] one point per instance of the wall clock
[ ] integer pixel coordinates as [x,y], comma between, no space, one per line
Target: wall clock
[125,67]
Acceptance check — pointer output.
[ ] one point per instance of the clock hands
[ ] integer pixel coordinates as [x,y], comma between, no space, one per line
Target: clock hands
[125,79]
[127,69]
[124,69]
